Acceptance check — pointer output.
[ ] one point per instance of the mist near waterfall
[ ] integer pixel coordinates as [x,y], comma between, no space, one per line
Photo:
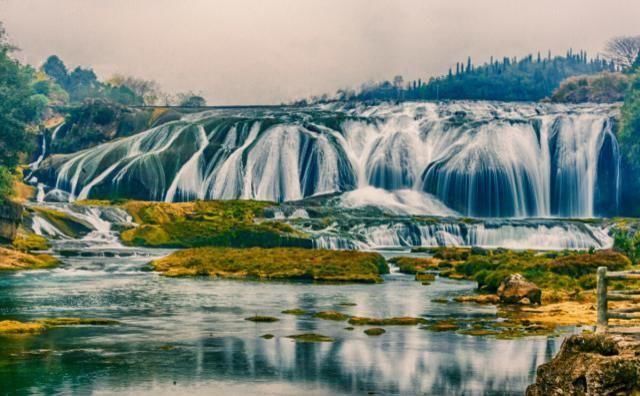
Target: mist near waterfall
[256,52]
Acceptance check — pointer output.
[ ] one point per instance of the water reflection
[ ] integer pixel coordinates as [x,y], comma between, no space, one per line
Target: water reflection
[193,332]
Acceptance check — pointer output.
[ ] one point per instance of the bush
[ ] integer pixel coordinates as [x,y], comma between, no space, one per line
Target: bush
[6,184]
[627,242]
[601,88]
[578,265]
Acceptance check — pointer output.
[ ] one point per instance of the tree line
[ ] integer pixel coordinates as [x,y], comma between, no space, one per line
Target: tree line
[64,86]
[531,78]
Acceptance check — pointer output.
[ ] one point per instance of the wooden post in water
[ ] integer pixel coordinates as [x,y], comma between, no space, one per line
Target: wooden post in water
[602,323]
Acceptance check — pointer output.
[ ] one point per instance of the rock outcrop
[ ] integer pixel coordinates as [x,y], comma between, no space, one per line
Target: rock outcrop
[10,218]
[591,365]
[516,289]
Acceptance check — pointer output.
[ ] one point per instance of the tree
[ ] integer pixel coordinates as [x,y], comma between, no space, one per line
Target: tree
[636,65]
[623,51]
[18,106]
[55,68]
[190,99]
[148,90]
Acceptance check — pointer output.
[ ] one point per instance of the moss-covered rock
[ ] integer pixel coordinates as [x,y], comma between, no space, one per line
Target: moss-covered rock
[413,265]
[375,331]
[67,224]
[275,263]
[28,241]
[208,223]
[331,315]
[295,311]
[443,325]
[591,365]
[397,321]
[310,337]
[14,260]
[263,319]
[425,278]
[558,271]
[16,327]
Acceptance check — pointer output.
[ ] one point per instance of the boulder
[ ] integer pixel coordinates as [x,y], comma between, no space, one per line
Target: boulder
[516,289]
[591,364]
[10,219]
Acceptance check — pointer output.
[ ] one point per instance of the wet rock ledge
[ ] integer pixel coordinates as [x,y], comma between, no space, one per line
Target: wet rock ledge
[591,364]
[10,218]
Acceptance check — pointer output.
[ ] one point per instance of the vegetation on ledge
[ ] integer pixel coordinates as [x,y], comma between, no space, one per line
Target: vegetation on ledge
[207,223]
[275,263]
[600,88]
[566,272]
[13,260]
[27,241]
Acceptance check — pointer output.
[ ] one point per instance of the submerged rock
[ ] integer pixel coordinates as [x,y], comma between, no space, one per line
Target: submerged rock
[517,289]
[591,365]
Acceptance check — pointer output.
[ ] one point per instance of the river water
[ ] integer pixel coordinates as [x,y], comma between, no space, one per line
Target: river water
[189,336]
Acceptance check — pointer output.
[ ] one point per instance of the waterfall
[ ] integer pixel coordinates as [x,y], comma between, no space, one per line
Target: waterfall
[524,234]
[43,152]
[480,159]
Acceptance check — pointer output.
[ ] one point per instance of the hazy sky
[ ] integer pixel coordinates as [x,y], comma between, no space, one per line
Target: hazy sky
[269,51]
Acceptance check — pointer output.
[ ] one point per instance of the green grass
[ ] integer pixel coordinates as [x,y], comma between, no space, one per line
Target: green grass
[275,263]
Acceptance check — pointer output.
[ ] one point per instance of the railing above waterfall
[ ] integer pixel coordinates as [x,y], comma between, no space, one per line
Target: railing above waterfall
[604,296]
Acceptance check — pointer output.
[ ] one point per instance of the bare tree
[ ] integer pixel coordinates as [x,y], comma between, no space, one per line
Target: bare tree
[623,50]
[148,90]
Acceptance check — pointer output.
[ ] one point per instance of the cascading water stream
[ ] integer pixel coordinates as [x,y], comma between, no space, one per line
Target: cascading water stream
[477,159]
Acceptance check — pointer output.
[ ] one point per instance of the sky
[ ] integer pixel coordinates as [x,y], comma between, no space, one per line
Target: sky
[274,51]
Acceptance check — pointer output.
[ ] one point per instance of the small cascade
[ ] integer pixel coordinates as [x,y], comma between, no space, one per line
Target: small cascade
[43,152]
[548,235]
[42,227]
[99,221]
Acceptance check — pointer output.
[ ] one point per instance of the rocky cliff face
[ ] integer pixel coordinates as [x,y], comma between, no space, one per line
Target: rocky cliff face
[10,218]
[591,365]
